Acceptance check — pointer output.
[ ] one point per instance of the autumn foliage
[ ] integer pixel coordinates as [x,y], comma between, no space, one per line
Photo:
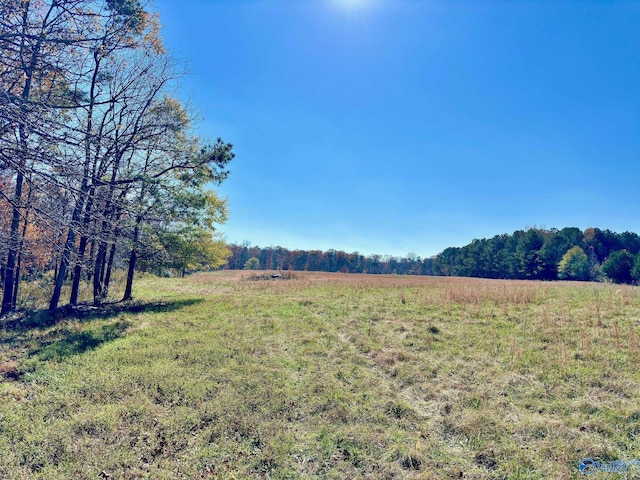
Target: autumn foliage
[98,164]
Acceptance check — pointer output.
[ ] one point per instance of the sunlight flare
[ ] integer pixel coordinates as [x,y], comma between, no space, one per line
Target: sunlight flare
[351,5]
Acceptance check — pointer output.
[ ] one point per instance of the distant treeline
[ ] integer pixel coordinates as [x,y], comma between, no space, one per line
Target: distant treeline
[278,258]
[534,254]
[540,254]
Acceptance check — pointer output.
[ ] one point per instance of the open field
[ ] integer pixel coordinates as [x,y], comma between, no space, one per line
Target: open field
[326,376]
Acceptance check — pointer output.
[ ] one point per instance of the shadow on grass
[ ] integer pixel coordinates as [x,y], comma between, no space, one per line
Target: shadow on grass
[25,321]
[69,343]
[55,335]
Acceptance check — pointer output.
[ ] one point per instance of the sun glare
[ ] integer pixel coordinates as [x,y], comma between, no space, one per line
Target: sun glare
[351,5]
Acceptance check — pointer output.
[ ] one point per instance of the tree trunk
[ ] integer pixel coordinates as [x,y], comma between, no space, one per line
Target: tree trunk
[106,232]
[98,273]
[130,272]
[77,272]
[133,258]
[19,262]
[107,277]
[14,243]
[64,262]
[92,259]
[82,248]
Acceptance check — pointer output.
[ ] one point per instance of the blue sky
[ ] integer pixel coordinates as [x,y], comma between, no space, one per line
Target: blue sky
[396,126]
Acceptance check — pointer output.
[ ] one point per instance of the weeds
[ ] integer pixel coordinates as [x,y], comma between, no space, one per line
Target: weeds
[325,376]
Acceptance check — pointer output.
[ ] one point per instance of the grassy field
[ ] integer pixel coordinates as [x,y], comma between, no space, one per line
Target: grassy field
[326,376]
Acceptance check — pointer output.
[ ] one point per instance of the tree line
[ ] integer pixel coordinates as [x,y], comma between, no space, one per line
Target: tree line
[99,164]
[245,256]
[547,254]
[531,254]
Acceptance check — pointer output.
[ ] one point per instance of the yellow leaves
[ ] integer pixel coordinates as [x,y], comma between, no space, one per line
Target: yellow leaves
[215,252]
[216,208]
[152,37]
[175,108]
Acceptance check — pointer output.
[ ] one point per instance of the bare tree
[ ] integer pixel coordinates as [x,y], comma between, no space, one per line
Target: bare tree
[87,123]
[35,37]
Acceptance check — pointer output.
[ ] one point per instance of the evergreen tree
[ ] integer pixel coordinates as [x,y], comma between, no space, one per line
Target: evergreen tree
[618,266]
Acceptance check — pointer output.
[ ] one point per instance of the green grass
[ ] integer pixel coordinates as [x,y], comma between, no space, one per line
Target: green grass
[326,376]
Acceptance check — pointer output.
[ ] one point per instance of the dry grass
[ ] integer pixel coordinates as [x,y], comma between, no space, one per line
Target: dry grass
[329,376]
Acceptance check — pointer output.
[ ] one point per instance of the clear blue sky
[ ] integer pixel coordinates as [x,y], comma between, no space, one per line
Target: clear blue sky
[396,126]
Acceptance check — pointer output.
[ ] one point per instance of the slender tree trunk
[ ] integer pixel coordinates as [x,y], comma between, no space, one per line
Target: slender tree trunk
[98,273]
[107,277]
[16,284]
[19,262]
[130,272]
[77,271]
[65,260]
[14,241]
[92,259]
[133,258]
[69,245]
[107,229]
